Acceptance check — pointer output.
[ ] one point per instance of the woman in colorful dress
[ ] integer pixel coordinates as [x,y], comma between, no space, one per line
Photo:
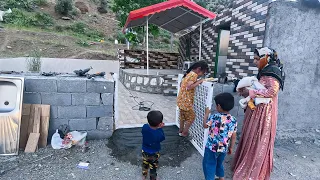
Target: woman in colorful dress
[254,154]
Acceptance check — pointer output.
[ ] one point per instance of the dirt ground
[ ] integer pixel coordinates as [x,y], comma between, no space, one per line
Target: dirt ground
[292,161]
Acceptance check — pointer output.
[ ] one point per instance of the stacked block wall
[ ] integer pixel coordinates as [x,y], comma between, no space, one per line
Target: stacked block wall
[247,19]
[83,104]
[157,60]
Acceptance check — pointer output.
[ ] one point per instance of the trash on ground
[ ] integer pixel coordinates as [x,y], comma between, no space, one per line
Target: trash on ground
[83,165]
[70,139]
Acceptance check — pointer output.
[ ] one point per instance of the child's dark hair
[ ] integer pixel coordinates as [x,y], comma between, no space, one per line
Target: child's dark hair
[155,118]
[202,64]
[225,100]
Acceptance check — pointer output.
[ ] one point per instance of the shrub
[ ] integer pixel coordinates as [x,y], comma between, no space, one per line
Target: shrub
[64,6]
[83,29]
[34,62]
[42,20]
[41,2]
[19,18]
[24,19]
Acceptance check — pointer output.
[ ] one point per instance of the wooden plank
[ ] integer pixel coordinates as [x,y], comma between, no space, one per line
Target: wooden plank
[32,143]
[36,120]
[24,125]
[26,109]
[44,131]
[31,117]
[44,125]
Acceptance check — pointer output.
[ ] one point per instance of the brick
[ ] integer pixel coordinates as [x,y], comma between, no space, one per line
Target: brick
[53,112]
[99,111]
[99,134]
[107,99]
[83,124]
[86,99]
[55,123]
[31,98]
[72,85]
[71,111]
[56,99]
[105,123]
[100,86]
[41,85]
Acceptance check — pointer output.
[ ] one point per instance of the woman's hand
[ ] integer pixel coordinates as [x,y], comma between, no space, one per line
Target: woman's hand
[244,92]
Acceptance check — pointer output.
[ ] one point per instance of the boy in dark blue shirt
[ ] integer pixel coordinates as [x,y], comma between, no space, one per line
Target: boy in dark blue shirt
[152,136]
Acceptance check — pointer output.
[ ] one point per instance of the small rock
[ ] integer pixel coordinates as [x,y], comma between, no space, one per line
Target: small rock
[117,169]
[170,158]
[66,18]
[295,155]
[9,47]
[313,160]
[34,155]
[298,142]
[304,157]
[317,130]
[178,172]
[73,176]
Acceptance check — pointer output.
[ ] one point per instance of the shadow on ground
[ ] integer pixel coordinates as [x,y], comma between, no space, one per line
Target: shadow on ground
[126,146]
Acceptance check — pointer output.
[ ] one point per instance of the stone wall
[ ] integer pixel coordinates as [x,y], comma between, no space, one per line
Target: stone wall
[156,84]
[137,59]
[298,48]
[83,104]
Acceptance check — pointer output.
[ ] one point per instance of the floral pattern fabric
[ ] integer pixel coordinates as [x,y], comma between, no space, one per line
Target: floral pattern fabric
[221,128]
[186,97]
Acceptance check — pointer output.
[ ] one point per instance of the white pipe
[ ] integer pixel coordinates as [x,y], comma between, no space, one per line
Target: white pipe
[200,39]
[147,38]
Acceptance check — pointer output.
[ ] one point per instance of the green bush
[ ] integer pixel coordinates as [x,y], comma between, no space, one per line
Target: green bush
[64,6]
[83,29]
[42,20]
[41,2]
[25,19]
[121,38]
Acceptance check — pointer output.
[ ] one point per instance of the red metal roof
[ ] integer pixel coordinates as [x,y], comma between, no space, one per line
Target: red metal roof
[172,15]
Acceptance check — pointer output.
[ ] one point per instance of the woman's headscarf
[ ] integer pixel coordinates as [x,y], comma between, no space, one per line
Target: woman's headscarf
[270,65]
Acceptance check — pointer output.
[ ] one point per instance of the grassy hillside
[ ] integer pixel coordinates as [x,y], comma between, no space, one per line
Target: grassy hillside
[34,25]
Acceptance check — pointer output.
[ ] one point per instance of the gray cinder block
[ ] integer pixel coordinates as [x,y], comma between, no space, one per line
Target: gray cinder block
[31,98]
[107,98]
[74,85]
[41,85]
[71,112]
[100,86]
[57,99]
[83,124]
[86,99]
[99,111]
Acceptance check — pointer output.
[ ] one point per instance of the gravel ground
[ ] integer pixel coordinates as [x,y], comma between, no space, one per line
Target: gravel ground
[293,160]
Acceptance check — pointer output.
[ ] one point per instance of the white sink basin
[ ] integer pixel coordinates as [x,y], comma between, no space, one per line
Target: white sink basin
[11,96]
[8,96]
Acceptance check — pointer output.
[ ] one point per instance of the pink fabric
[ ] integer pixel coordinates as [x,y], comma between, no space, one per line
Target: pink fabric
[254,154]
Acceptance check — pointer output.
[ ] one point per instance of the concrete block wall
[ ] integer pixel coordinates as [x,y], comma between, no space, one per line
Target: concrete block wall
[298,48]
[83,104]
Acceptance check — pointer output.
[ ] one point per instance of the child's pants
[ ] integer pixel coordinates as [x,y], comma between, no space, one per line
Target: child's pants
[213,164]
[150,161]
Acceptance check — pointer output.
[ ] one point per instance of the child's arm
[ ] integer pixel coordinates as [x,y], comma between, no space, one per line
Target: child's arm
[206,116]
[192,85]
[162,137]
[232,143]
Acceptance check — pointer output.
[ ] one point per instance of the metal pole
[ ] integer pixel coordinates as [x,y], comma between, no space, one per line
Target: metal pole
[171,42]
[200,39]
[147,38]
